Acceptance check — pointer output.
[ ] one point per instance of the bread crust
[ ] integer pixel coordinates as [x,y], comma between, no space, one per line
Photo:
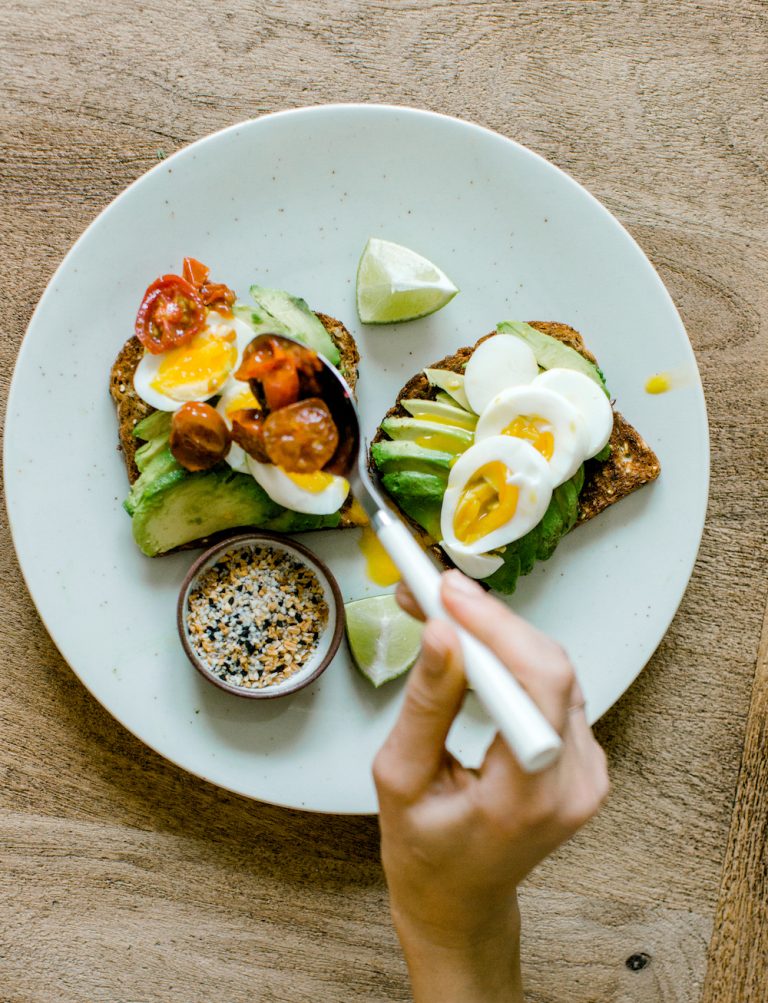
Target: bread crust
[131,409]
[631,465]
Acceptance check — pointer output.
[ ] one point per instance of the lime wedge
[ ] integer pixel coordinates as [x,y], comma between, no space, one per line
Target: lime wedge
[396,284]
[384,640]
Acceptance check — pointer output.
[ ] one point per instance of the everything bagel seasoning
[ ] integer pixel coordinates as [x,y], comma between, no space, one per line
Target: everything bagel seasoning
[256,616]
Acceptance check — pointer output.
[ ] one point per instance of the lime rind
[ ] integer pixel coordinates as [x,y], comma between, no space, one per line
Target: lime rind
[384,641]
[395,284]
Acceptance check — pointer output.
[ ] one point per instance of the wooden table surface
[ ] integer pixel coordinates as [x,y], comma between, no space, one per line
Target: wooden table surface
[122,878]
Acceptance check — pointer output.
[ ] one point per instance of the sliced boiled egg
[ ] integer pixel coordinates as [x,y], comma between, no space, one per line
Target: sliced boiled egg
[588,399]
[313,494]
[236,396]
[497,363]
[497,491]
[544,419]
[195,371]
[473,565]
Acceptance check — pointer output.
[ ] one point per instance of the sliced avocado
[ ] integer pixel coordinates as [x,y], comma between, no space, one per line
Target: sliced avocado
[420,496]
[301,323]
[162,465]
[258,319]
[300,522]
[173,511]
[445,398]
[451,383]
[391,455]
[504,579]
[551,353]
[154,426]
[428,434]
[437,411]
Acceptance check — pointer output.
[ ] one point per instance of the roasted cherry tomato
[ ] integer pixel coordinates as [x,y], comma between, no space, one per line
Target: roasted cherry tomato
[215,295]
[199,436]
[279,371]
[302,437]
[170,314]
[247,427]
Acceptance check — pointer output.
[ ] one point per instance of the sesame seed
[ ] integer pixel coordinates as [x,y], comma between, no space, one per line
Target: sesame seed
[256,616]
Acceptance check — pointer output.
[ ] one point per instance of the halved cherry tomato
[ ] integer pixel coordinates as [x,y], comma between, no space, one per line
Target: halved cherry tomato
[302,437]
[195,272]
[214,294]
[247,427]
[170,314]
[199,436]
[279,371]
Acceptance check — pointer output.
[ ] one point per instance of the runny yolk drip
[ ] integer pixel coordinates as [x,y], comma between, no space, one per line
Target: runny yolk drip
[314,483]
[488,501]
[534,430]
[452,422]
[199,367]
[658,384]
[378,564]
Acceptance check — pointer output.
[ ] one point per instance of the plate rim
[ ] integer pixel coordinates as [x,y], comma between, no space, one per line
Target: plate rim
[375,108]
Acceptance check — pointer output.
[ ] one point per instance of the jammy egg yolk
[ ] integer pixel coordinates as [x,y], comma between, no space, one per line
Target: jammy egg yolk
[244,401]
[197,368]
[534,430]
[314,483]
[488,501]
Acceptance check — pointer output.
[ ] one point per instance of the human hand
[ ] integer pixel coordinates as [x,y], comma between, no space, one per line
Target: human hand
[457,842]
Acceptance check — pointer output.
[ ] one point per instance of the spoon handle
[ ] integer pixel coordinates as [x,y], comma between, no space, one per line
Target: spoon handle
[532,739]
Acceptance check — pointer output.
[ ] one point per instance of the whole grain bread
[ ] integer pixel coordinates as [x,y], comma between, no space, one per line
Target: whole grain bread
[632,462]
[131,408]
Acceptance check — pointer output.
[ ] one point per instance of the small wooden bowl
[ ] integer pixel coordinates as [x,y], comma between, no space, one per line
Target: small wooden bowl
[329,640]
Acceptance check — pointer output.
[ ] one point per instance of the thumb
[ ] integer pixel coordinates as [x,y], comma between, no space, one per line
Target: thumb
[415,749]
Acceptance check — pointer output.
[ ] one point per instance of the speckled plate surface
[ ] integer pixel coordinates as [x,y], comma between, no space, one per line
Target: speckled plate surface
[290,200]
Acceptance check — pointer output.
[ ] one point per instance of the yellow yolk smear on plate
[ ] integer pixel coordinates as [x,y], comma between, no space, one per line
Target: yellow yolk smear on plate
[534,430]
[379,566]
[488,502]
[199,367]
[661,383]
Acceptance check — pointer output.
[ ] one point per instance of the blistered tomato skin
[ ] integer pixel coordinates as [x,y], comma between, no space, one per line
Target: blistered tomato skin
[247,428]
[199,436]
[279,372]
[302,437]
[170,314]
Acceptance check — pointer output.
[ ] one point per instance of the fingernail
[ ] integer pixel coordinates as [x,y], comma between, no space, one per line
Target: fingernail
[462,586]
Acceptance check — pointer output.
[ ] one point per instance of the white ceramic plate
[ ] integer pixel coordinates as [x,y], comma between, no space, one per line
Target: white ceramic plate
[290,200]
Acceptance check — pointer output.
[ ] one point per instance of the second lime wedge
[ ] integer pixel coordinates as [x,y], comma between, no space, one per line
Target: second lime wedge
[395,284]
[384,640]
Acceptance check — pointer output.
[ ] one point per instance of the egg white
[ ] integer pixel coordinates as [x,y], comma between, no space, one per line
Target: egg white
[237,393]
[498,363]
[566,424]
[528,470]
[149,366]
[285,492]
[473,565]
[589,400]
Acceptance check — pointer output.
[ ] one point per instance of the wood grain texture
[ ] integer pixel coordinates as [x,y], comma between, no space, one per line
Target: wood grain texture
[123,879]
[739,948]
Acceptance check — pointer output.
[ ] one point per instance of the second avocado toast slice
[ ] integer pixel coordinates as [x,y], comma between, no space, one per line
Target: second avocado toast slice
[413,467]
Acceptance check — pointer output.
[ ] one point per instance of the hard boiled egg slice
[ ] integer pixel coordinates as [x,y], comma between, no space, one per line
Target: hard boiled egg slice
[313,494]
[473,565]
[498,363]
[497,491]
[236,396]
[542,418]
[588,399]
[191,372]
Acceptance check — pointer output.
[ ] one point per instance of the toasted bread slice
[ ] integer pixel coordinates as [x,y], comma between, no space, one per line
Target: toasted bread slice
[131,408]
[632,462]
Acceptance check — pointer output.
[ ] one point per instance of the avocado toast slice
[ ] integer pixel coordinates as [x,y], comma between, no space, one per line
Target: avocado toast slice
[174,509]
[415,477]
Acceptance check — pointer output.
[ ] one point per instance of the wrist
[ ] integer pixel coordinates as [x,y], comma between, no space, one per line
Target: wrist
[476,964]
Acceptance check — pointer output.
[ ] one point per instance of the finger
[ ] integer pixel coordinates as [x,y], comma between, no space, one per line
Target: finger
[539,664]
[412,756]
[407,602]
